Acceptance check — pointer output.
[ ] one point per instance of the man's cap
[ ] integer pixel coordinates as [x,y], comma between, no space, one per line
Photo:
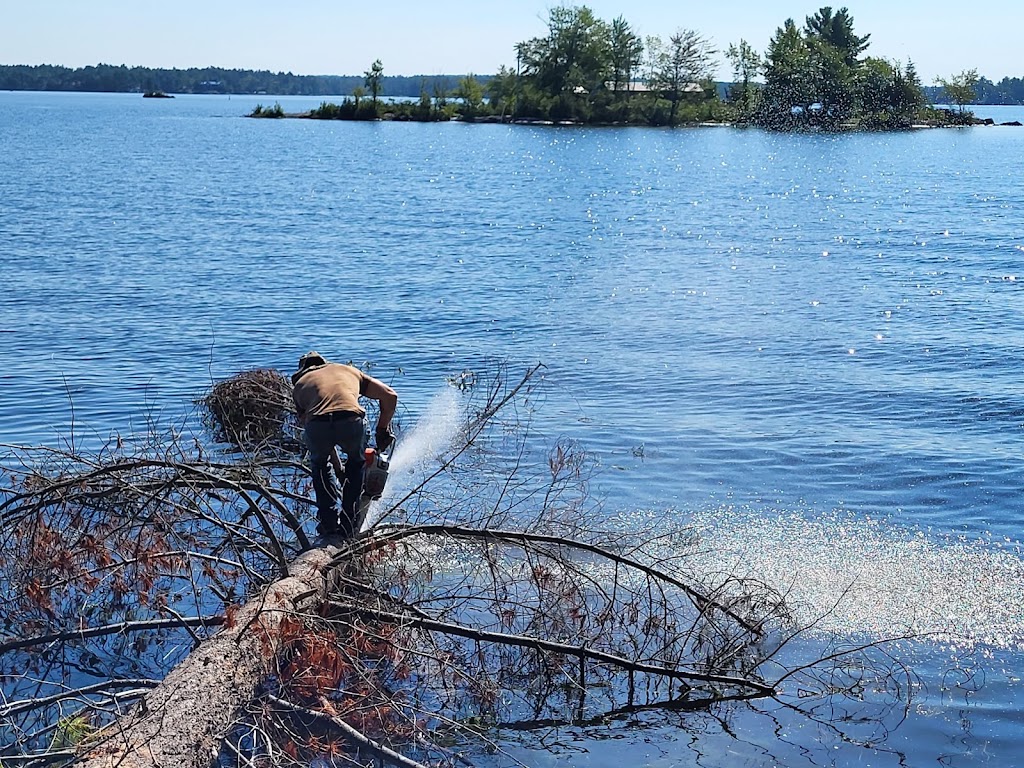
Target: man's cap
[311,358]
[307,361]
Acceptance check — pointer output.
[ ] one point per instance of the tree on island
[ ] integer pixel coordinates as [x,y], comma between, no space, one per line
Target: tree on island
[471,94]
[585,70]
[816,76]
[960,89]
[678,67]
[588,70]
[626,49]
[375,82]
[746,65]
[561,69]
[502,90]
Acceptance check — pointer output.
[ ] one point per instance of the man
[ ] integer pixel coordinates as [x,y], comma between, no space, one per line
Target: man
[327,402]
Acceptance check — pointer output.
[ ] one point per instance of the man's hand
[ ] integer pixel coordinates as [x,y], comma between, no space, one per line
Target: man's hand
[384,437]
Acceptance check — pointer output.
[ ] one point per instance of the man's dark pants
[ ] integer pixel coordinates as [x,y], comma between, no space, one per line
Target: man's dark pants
[350,433]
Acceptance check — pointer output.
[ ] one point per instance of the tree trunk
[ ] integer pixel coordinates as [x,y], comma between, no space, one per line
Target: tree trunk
[180,723]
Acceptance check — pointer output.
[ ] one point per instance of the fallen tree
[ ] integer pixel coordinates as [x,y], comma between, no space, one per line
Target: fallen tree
[497,606]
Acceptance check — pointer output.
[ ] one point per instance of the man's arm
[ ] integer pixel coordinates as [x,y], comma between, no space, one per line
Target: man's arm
[388,399]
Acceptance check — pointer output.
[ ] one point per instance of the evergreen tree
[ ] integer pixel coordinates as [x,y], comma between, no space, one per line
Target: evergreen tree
[836,30]
[626,50]
[788,84]
[375,81]
[815,75]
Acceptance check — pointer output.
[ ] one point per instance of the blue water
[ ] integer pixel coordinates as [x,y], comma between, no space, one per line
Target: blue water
[808,346]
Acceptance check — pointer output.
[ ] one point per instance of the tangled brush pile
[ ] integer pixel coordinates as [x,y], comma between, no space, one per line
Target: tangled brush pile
[252,410]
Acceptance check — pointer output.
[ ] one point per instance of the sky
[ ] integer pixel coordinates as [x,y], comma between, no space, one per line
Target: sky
[410,37]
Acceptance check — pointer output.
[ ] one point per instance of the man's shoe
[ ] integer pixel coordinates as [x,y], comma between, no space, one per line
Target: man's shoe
[328,525]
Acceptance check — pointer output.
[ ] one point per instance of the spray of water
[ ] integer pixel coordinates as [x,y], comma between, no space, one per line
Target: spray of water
[416,451]
[873,576]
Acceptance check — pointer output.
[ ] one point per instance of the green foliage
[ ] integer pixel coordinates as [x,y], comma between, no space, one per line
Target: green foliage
[425,107]
[70,732]
[420,111]
[587,70]
[471,93]
[208,80]
[626,51]
[275,111]
[825,68]
[937,116]
[501,91]
[836,32]
[347,110]
[375,81]
[441,95]
[1009,90]
[574,57]
[817,77]
[814,76]
[678,66]
[960,89]
[907,92]
[746,65]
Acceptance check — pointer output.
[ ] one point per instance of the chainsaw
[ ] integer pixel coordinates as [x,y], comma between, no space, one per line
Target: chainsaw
[376,464]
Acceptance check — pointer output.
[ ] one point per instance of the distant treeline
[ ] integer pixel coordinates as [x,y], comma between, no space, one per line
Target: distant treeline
[106,78]
[1009,90]
[122,79]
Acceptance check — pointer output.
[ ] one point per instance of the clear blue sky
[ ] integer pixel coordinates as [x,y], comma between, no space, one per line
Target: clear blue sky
[336,37]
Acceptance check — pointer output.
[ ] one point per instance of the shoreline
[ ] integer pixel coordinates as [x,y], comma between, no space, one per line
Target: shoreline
[540,122]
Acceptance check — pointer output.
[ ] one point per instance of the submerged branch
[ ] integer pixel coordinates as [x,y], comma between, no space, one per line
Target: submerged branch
[18,707]
[120,628]
[541,644]
[352,735]
[700,600]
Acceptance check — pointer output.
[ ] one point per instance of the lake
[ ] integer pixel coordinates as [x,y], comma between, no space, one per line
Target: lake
[809,347]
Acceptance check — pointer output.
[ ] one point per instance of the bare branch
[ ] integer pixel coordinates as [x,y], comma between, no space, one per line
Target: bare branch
[17,707]
[540,644]
[353,735]
[120,628]
[396,533]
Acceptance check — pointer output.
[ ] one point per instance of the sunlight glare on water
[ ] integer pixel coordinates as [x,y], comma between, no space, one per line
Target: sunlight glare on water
[869,576]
